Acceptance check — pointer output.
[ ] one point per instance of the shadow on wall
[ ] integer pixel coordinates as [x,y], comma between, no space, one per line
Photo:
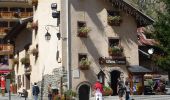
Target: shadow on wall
[89,8]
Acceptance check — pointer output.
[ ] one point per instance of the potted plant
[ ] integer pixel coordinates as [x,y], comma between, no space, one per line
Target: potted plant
[114,20]
[84,64]
[107,91]
[70,95]
[25,60]
[34,51]
[115,51]
[83,31]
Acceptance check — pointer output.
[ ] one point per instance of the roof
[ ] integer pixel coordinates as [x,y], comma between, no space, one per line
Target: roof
[18,27]
[138,69]
[131,8]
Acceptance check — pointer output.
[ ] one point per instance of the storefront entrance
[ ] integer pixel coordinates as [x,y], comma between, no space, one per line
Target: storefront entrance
[115,74]
[84,91]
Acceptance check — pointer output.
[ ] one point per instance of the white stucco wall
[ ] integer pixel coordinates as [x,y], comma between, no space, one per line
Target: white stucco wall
[94,13]
[47,49]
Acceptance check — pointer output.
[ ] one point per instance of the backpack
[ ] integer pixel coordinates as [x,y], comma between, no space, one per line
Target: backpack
[36,90]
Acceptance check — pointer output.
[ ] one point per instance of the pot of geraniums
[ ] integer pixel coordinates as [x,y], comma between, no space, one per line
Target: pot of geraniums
[114,20]
[83,31]
[107,91]
[115,51]
[84,64]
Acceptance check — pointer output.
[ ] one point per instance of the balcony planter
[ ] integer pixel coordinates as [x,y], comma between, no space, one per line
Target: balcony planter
[114,20]
[33,2]
[83,32]
[107,91]
[115,51]
[6,14]
[84,64]
[25,60]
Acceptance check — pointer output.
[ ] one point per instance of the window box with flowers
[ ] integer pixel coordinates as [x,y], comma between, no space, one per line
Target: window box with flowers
[114,20]
[25,60]
[115,51]
[83,31]
[84,64]
[107,91]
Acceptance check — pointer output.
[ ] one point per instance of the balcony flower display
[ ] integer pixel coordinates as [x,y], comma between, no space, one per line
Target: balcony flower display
[83,31]
[114,20]
[107,91]
[34,51]
[84,64]
[115,51]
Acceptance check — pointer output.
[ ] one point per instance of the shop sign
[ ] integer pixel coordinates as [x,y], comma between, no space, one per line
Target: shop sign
[112,61]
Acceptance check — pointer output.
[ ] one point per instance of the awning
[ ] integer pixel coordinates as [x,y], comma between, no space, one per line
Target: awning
[138,69]
[4,71]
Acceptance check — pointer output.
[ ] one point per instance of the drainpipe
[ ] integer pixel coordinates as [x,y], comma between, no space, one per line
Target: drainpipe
[68,46]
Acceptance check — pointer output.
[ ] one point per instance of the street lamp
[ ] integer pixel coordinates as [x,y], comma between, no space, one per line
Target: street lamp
[47,36]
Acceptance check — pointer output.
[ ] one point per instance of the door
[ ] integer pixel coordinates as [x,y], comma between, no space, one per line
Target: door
[114,79]
[84,92]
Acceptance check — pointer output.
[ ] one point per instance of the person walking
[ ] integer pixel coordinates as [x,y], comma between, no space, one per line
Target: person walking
[35,91]
[120,89]
[128,90]
[98,87]
[49,92]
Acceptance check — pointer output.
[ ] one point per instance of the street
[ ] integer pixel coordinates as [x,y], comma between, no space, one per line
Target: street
[13,97]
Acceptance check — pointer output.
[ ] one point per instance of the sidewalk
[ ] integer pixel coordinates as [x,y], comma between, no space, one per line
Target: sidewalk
[13,97]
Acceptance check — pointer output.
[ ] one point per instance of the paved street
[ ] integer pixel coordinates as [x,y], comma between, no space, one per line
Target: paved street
[13,97]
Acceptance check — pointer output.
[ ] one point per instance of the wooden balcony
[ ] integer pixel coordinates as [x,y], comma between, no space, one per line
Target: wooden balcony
[3,31]
[6,49]
[6,14]
[25,14]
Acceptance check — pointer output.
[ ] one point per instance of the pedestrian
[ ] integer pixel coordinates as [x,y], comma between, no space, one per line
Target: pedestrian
[120,88]
[49,92]
[35,91]
[128,90]
[98,87]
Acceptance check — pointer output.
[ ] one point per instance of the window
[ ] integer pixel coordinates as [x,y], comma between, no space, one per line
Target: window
[3,9]
[81,24]
[3,24]
[12,24]
[113,42]
[113,13]
[29,9]
[81,56]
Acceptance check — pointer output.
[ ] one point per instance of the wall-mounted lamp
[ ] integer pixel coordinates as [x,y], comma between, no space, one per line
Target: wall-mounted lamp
[58,36]
[54,6]
[47,35]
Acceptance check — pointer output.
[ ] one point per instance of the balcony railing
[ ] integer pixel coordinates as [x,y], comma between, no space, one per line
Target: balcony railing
[11,14]
[25,14]
[6,14]
[6,49]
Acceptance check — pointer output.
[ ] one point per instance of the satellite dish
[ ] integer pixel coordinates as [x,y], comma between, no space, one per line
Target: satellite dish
[150,51]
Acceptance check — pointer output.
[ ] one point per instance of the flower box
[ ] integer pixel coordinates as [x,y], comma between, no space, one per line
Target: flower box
[115,51]
[83,32]
[25,60]
[107,91]
[114,20]
[84,64]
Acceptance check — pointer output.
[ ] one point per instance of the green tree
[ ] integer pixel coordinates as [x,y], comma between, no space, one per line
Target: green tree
[162,34]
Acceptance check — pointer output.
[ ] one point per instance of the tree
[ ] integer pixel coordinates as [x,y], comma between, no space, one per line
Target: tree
[162,34]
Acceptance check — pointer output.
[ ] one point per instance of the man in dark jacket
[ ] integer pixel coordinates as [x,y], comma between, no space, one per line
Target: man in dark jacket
[35,91]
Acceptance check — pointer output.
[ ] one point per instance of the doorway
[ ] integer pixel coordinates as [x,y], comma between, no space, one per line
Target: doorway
[84,92]
[115,74]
